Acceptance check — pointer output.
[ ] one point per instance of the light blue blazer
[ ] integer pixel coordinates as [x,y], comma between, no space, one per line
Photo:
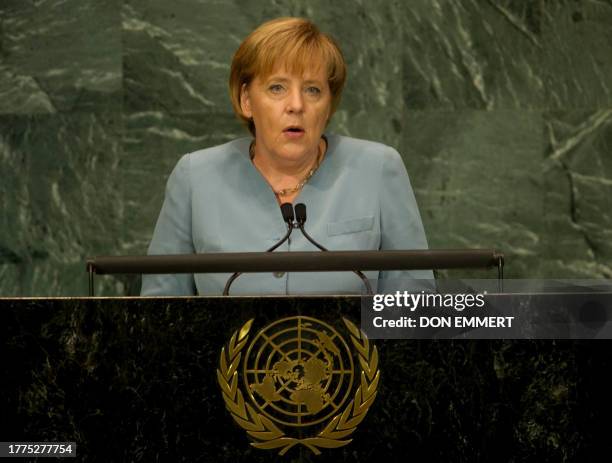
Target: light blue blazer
[360,198]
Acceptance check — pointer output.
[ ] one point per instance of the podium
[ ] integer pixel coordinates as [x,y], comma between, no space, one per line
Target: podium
[137,379]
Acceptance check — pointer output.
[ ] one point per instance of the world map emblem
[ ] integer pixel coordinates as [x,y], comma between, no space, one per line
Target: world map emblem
[296,377]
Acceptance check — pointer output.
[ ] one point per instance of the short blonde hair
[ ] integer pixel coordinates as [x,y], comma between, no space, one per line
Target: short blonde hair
[294,42]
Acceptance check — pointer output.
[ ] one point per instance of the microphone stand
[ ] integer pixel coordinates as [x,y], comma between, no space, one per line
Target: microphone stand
[300,214]
[296,221]
[288,217]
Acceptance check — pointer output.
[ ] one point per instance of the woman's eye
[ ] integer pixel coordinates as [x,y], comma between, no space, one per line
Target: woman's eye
[276,88]
[313,90]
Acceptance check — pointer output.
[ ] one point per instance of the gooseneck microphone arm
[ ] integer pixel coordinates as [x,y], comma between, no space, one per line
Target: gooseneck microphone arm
[288,217]
[300,217]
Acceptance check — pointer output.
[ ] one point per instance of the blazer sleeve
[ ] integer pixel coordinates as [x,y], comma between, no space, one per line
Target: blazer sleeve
[173,235]
[401,226]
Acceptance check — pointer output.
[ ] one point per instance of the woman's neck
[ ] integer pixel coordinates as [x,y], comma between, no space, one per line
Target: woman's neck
[282,174]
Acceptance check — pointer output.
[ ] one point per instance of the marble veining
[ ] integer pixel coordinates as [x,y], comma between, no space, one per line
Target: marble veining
[500,108]
[135,380]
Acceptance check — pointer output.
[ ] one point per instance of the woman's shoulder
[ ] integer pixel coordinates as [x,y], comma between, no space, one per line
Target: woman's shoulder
[360,149]
[220,155]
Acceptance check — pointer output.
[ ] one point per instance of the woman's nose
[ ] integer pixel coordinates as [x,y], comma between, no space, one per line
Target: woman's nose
[295,101]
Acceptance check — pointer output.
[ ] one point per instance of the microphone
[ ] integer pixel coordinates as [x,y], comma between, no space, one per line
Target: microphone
[300,217]
[287,212]
[288,217]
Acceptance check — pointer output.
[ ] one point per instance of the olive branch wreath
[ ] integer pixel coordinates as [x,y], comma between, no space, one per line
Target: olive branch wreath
[266,434]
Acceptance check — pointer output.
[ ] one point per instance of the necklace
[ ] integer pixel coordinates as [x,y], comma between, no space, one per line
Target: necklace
[301,183]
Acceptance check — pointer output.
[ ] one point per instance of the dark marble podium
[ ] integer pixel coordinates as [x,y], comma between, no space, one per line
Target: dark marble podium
[133,379]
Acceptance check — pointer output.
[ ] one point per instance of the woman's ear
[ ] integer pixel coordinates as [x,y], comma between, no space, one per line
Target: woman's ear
[245,102]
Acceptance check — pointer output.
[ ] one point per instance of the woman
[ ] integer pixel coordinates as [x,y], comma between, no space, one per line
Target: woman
[285,83]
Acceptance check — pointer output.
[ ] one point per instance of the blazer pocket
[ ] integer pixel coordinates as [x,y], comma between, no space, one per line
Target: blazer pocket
[350,226]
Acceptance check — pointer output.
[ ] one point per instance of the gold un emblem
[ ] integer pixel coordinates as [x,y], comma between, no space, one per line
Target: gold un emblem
[298,375]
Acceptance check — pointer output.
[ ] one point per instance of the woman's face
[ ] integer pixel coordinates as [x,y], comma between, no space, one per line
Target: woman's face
[289,111]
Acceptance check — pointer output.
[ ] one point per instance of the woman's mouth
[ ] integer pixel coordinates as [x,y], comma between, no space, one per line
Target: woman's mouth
[294,131]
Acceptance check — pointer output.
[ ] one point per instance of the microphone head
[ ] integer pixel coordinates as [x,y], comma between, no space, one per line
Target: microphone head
[287,211]
[300,213]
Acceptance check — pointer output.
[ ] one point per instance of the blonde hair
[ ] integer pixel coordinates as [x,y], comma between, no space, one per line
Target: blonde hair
[294,42]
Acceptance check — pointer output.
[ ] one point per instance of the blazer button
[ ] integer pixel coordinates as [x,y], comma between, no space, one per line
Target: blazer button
[279,274]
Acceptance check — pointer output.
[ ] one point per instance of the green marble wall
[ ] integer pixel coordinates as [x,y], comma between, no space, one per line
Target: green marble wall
[502,110]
